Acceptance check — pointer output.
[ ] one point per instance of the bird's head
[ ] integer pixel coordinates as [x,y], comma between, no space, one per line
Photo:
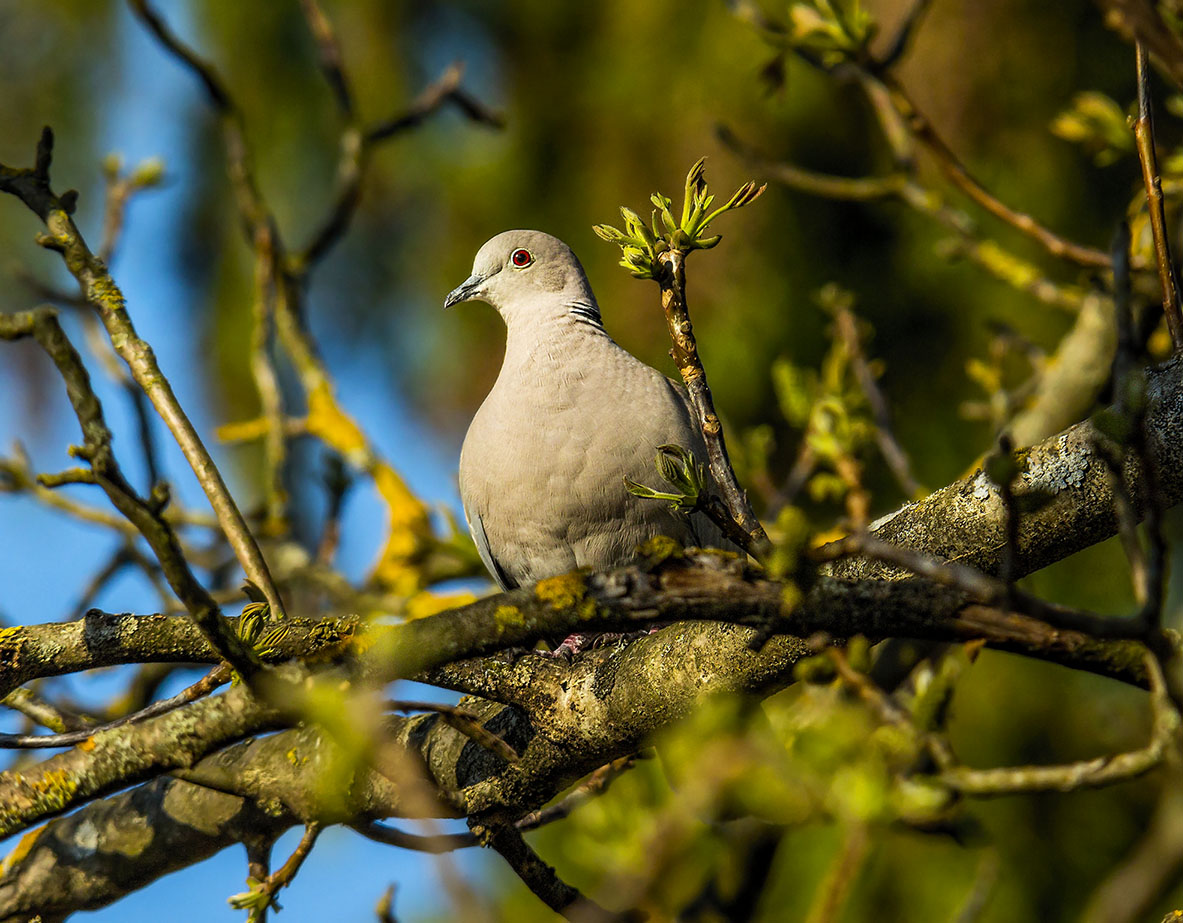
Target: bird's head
[523,271]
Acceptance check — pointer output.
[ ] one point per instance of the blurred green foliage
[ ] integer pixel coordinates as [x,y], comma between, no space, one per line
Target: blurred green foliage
[605,102]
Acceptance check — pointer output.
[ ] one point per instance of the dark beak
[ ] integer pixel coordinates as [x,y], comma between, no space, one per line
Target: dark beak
[465,291]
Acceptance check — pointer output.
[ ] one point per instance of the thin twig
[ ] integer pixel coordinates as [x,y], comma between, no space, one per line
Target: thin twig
[267,382]
[536,874]
[43,712]
[981,891]
[43,326]
[120,190]
[1094,773]
[1144,136]
[391,836]
[904,34]
[108,572]
[1140,21]
[445,89]
[1150,870]
[685,353]
[888,710]
[219,676]
[356,145]
[802,468]
[957,174]
[261,896]
[100,347]
[982,588]
[987,254]
[18,478]
[337,483]
[834,888]
[384,909]
[893,453]
[329,54]
[410,529]
[593,786]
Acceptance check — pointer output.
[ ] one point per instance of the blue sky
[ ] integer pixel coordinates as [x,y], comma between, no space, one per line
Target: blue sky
[345,874]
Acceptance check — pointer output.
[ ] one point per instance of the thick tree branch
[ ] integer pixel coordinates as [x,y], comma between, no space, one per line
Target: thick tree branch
[613,700]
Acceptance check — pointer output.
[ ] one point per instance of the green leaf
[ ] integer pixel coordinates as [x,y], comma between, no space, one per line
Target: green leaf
[1098,124]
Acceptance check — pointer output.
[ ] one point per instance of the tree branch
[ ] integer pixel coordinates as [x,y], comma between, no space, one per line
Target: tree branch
[145,515]
[32,187]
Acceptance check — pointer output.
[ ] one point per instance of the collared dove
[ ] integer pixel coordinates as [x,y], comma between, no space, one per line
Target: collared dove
[571,415]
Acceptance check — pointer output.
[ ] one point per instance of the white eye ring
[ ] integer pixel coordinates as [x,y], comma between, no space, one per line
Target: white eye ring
[521,258]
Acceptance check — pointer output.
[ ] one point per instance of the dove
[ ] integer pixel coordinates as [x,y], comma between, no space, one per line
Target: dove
[570,416]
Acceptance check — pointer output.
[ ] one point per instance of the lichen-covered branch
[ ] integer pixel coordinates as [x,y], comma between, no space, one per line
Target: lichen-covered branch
[102,639]
[43,326]
[611,701]
[32,187]
[961,522]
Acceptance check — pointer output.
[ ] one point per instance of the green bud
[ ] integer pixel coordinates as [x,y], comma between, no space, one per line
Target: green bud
[608,233]
[694,184]
[668,468]
[148,173]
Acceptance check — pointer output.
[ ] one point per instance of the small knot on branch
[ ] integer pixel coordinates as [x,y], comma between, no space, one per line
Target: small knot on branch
[51,242]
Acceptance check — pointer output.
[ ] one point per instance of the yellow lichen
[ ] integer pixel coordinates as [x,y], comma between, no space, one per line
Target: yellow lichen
[426,603]
[563,591]
[409,532]
[659,548]
[23,848]
[509,616]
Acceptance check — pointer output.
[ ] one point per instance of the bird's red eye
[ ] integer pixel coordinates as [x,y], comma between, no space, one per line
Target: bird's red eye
[521,258]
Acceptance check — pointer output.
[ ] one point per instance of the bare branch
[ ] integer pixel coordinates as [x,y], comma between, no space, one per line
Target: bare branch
[957,174]
[685,353]
[219,676]
[32,187]
[893,453]
[537,875]
[43,326]
[1104,770]
[1144,135]
[329,50]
